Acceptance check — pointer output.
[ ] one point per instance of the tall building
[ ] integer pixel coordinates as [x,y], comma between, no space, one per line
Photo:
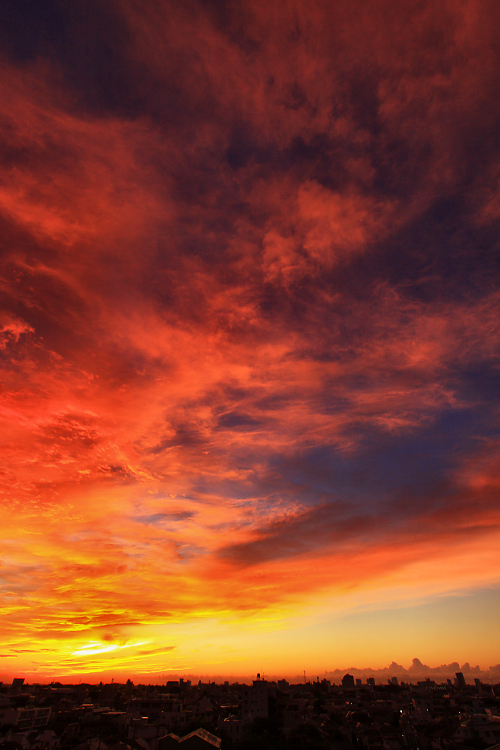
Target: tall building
[460,680]
[348,681]
[255,700]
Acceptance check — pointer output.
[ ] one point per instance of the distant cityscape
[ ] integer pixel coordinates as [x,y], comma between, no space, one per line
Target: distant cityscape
[352,713]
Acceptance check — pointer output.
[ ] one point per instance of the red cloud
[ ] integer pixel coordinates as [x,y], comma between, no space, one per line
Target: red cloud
[269,258]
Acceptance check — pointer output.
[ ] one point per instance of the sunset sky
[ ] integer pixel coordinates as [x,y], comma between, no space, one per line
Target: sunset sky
[250,335]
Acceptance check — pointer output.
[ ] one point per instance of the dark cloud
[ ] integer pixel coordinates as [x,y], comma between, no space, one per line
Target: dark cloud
[159,518]
[234,420]
[326,526]
[88,40]
[162,650]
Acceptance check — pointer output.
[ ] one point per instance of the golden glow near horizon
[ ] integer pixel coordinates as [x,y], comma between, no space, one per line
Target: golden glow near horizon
[250,335]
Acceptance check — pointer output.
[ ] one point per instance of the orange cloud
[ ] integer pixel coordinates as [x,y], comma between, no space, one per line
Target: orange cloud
[250,322]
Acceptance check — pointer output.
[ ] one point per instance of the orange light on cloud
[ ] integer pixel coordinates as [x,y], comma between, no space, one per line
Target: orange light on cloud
[250,338]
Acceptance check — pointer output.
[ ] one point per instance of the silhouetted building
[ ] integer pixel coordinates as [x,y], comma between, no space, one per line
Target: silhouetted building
[348,681]
[460,680]
[25,719]
[254,700]
[233,727]
[198,740]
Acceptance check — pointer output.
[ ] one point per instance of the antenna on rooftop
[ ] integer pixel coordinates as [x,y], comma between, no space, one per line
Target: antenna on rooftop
[305,677]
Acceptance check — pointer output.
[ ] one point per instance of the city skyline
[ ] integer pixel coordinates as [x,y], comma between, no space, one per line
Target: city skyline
[394,674]
[250,337]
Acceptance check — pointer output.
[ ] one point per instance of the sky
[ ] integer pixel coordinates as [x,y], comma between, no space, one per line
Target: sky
[249,330]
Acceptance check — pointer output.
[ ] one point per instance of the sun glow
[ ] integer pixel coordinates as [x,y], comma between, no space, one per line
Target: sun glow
[97,648]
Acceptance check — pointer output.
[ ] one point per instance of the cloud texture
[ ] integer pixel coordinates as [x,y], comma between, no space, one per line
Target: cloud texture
[250,309]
